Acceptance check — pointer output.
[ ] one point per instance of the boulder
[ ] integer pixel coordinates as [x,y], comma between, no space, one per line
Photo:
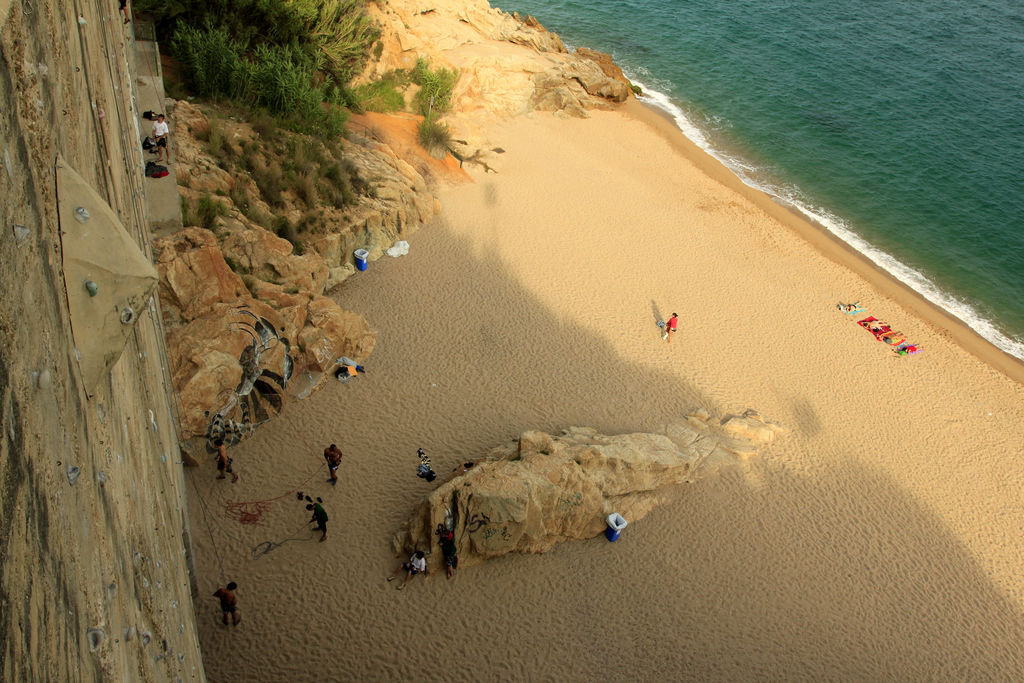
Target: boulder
[234,342]
[193,275]
[607,65]
[528,495]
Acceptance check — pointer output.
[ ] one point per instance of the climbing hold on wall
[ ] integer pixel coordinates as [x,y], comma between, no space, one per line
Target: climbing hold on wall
[95,639]
[92,288]
[73,474]
[127,315]
[81,214]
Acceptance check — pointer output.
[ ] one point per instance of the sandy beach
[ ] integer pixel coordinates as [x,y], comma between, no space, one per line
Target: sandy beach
[879,538]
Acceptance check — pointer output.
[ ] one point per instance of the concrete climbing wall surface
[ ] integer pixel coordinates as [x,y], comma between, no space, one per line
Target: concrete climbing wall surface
[94,544]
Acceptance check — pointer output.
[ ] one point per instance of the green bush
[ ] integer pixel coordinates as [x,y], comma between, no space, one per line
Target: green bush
[270,181]
[207,211]
[217,142]
[381,96]
[436,87]
[211,60]
[279,78]
[435,137]
[283,228]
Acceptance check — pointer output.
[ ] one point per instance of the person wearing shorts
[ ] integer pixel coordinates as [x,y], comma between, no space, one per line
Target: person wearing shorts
[417,564]
[670,327]
[228,603]
[224,463]
[160,133]
[124,10]
[333,457]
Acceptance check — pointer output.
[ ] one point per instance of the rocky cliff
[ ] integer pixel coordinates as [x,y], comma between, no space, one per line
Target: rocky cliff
[94,543]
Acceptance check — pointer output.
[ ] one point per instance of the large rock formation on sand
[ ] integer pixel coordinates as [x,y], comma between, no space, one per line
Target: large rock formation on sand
[530,494]
[238,348]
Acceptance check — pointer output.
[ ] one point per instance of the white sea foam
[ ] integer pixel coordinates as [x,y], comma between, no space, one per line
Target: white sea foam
[837,226]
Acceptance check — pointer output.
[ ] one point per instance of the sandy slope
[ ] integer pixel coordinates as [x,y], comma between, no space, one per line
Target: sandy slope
[879,539]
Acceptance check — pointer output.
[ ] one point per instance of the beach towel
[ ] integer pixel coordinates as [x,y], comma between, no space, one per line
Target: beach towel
[875,326]
[907,349]
[857,308]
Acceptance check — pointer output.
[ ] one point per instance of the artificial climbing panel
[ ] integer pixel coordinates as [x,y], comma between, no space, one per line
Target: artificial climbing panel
[108,278]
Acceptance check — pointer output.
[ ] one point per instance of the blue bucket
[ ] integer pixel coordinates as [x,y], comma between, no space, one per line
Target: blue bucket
[616,523]
[362,257]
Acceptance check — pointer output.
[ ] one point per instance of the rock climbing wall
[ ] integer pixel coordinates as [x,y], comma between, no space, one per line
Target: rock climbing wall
[94,545]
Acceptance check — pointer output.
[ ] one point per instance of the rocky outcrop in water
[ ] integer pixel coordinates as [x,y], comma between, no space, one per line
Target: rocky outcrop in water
[495,80]
[540,490]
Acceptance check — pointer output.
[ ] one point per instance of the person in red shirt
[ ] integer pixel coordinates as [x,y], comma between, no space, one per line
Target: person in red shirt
[670,327]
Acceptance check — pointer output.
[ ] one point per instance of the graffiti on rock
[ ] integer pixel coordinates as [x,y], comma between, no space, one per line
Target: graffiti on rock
[260,395]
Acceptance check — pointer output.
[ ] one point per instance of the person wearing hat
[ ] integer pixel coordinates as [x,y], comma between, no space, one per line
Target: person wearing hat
[670,327]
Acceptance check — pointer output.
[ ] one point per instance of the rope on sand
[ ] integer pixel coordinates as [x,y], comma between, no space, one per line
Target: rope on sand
[252,511]
[266,547]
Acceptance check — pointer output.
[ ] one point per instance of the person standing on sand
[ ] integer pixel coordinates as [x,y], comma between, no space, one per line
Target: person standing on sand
[320,517]
[449,550]
[670,327]
[228,603]
[224,462]
[333,457]
[417,564]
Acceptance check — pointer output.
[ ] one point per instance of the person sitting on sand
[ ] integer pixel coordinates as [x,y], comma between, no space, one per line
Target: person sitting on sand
[417,564]
[424,470]
[348,369]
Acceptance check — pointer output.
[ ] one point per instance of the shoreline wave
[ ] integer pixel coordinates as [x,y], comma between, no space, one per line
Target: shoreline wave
[838,227]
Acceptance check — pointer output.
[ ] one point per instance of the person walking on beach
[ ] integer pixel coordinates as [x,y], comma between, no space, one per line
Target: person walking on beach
[228,603]
[670,327]
[224,462]
[333,457]
[320,517]
[417,564]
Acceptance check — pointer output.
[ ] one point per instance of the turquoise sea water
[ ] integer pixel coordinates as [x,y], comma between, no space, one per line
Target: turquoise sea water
[897,125]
